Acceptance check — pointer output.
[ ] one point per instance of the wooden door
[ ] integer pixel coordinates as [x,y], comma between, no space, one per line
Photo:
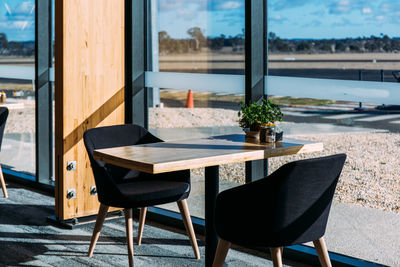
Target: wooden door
[89,73]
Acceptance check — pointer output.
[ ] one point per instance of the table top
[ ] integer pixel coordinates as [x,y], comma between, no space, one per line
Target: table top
[195,153]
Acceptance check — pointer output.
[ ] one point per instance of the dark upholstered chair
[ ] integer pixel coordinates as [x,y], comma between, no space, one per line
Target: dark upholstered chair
[290,206]
[127,189]
[3,119]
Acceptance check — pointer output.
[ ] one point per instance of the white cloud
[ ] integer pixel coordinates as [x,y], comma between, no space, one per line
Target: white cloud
[230,5]
[343,6]
[17,25]
[366,10]
[25,8]
[380,18]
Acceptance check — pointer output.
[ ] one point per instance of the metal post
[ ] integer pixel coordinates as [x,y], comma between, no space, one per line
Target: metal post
[153,50]
[43,92]
[360,78]
[255,11]
[211,192]
[136,107]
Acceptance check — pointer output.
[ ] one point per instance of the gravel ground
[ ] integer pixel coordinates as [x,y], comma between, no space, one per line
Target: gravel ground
[371,175]
[370,178]
[196,117]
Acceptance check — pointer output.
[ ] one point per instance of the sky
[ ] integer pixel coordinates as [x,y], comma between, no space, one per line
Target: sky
[17,19]
[292,19]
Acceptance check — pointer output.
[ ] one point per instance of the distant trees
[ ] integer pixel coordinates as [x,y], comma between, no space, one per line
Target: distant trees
[3,40]
[168,45]
[198,37]
[26,49]
[356,45]
[196,41]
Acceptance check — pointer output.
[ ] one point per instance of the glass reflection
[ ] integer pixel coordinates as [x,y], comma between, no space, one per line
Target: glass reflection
[17,49]
[191,40]
[334,68]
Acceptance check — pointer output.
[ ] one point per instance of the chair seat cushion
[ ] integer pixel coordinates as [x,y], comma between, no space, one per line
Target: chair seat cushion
[148,193]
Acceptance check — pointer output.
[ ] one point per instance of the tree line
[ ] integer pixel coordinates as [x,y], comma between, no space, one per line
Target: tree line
[196,40]
[381,44]
[13,48]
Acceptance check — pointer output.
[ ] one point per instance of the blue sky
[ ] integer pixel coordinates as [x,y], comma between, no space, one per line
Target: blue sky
[17,19]
[334,18]
[287,18]
[316,19]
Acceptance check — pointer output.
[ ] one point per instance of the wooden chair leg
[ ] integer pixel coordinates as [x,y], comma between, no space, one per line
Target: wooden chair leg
[142,219]
[187,221]
[222,251]
[3,183]
[323,255]
[129,234]
[97,228]
[276,254]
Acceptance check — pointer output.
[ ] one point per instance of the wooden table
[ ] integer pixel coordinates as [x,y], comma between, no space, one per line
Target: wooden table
[205,152]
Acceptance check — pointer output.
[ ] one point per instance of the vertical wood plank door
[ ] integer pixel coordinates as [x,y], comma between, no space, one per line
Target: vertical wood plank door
[89,73]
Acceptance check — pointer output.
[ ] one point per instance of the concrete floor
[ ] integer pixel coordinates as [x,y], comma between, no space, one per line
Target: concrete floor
[356,231]
[27,240]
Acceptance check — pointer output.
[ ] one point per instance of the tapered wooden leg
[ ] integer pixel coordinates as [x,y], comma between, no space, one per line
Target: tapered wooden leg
[142,219]
[3,183]
[222,251]
[323,255]
[129,234]
[276,254]
[187,221]
[99,223]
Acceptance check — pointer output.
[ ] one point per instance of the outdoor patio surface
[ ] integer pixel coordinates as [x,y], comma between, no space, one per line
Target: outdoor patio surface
[26,239]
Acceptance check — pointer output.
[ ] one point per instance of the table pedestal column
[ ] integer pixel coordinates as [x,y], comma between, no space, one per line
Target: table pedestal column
[211,192]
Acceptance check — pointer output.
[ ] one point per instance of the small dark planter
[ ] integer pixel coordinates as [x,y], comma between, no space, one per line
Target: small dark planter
[251,134]
[278,136]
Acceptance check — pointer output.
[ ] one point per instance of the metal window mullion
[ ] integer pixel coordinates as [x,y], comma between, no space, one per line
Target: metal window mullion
[135,62]
[43,92]
[255,71]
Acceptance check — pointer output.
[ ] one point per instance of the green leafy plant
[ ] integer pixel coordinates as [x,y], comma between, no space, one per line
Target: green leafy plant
[254,115]
[249,116]
[270,112]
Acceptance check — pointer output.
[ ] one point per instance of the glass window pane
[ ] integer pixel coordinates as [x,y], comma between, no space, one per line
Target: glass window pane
[333,68]
[197,54]
[17,49]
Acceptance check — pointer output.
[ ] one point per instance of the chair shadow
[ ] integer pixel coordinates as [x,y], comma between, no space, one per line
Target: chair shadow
[14,253]
[21,214]
[170,241]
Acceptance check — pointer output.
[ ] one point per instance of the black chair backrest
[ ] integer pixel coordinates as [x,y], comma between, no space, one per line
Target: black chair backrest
[113,136]
[290,206]
[3,119]
[303,193]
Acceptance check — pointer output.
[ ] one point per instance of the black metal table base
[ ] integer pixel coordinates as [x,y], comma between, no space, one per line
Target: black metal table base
[211,192]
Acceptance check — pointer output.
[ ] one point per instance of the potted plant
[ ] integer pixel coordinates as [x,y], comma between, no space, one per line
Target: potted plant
[270,114]
[249,119]
[255,116]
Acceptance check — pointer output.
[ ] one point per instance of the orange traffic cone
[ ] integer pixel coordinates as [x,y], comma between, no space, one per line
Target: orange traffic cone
[189,100]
